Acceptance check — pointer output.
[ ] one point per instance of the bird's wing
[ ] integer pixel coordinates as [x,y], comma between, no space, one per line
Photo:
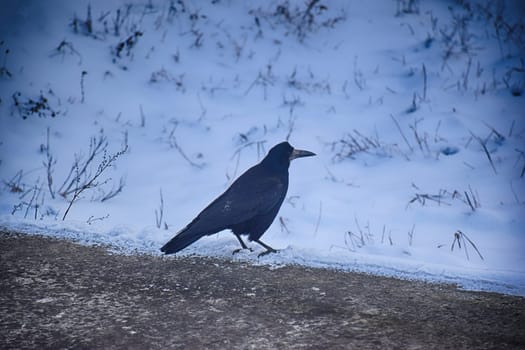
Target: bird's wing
[246,198]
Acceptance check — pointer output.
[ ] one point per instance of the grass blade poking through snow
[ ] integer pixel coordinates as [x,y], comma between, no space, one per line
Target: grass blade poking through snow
[460,237]
[487,153]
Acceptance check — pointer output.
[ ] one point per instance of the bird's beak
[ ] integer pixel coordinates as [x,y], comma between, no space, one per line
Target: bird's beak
[298,153]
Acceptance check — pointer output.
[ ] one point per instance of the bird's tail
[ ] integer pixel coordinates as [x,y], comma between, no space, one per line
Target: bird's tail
[184,238]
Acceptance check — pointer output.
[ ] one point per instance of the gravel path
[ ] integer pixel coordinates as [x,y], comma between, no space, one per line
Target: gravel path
[58,294]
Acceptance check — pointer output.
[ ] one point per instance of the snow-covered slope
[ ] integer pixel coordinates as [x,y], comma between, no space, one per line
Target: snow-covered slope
[415,109]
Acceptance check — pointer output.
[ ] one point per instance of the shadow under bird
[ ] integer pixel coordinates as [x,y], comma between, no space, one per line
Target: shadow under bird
[248,206]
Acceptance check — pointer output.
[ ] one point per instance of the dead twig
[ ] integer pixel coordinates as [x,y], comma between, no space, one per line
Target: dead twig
[92,219]
[92,181]
[97,145]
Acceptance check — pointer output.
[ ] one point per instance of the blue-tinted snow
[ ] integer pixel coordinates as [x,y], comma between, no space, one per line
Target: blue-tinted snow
[395,162]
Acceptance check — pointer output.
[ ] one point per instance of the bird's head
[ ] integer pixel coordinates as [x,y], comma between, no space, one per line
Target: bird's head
[283,153]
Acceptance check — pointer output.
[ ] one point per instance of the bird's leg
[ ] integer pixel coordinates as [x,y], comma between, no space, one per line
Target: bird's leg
[268,248]
[243,245]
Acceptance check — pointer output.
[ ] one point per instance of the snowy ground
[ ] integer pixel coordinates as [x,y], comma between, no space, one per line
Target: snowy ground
[415,109]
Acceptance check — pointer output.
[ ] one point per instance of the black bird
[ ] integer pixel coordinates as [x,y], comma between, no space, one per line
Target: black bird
[248,206]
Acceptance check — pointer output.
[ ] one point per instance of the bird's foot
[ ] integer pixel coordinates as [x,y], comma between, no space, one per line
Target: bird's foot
[240,250]
[267,252]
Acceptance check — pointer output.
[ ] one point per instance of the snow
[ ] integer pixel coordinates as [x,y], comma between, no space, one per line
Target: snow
[209,87]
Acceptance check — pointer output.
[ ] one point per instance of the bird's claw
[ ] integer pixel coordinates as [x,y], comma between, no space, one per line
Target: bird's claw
[240,250]
[267,252]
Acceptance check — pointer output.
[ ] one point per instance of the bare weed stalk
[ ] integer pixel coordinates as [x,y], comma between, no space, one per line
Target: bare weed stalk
[172,140]
[91,181]
[299,18]
[284,226]
[462,238]
[49,163]
[114,190]
[82,90]
[263,79]
[162,75]
[445,197]
[424,83]
[318,222]
[142,117]
[359,78]
[421,139]
[93,219]
[97,145]
[411,235]
[483,144]
[359,238]
[160,213]
[33,201]
[15,184]
[353,144]
[238,151]
[521,155]
[389,236]
[66,48]
[40,106]
[402,134]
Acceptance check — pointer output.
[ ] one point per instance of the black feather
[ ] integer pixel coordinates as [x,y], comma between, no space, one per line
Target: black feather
[248,206]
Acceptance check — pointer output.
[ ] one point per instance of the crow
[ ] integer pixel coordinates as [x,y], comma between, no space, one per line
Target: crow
[248,206]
